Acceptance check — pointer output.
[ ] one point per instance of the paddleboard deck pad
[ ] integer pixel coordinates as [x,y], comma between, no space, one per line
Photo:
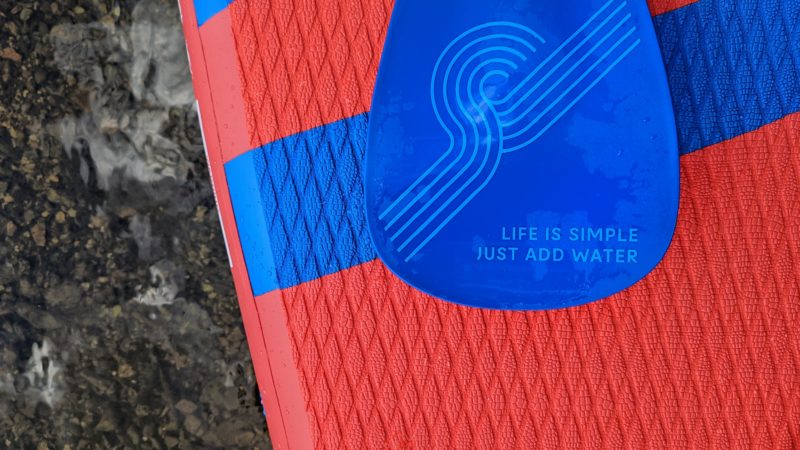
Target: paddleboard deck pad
[703,351]
[521,156]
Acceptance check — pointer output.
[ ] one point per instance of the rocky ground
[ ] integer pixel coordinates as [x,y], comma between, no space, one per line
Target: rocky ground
[119,327]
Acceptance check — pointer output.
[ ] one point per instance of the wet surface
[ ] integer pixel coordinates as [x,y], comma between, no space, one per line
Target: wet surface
[119,327]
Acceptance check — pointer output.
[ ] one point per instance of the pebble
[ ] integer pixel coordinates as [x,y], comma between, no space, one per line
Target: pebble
[125,368]
[38,233]
[125,371]
[193,424]
[105,424]
[245,438]
[10,54]
[186,407]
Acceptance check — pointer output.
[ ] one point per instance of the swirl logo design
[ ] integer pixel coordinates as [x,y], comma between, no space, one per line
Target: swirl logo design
[491,99]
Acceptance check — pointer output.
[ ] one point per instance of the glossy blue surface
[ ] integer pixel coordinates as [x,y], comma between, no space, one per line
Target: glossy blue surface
[521,155]
[251,222]
[206,9]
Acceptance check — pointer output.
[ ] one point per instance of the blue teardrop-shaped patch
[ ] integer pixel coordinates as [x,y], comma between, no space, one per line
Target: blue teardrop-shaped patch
[521,155]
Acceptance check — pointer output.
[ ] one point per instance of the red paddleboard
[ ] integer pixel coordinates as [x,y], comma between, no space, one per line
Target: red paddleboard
[703,352]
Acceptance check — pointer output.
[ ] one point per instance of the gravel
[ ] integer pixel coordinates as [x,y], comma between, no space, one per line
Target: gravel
[119,326]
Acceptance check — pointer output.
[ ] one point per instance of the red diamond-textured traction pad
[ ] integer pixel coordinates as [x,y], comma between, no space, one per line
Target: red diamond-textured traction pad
[309,62]
[703,353]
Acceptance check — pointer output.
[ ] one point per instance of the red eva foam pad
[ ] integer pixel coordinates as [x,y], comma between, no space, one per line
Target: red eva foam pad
[704,352]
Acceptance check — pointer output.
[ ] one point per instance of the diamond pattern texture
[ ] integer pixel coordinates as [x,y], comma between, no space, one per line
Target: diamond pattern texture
[705,352]
[732,66]
[305,63]
[311,186]
[312,177]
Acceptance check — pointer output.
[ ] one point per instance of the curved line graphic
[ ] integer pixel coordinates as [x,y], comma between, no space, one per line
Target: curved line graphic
[477,135]
[558,65]
[488,139]
[434,85]
[569,89]
[483,122]
[486,180]
[520,116]
[561,47]
[452,164]
[447,104]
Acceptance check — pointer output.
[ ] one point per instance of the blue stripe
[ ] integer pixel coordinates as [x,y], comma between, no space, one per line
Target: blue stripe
[206,9]
[307,191]
[732,67]
[245,184]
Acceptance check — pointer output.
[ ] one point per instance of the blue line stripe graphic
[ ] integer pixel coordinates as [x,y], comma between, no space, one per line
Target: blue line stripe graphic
[583,93]
[467,119]
[571,87]
[446,103]
[449,182]
[566,58]
[524,114]
[557,50]
[471,196]
[447,169]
